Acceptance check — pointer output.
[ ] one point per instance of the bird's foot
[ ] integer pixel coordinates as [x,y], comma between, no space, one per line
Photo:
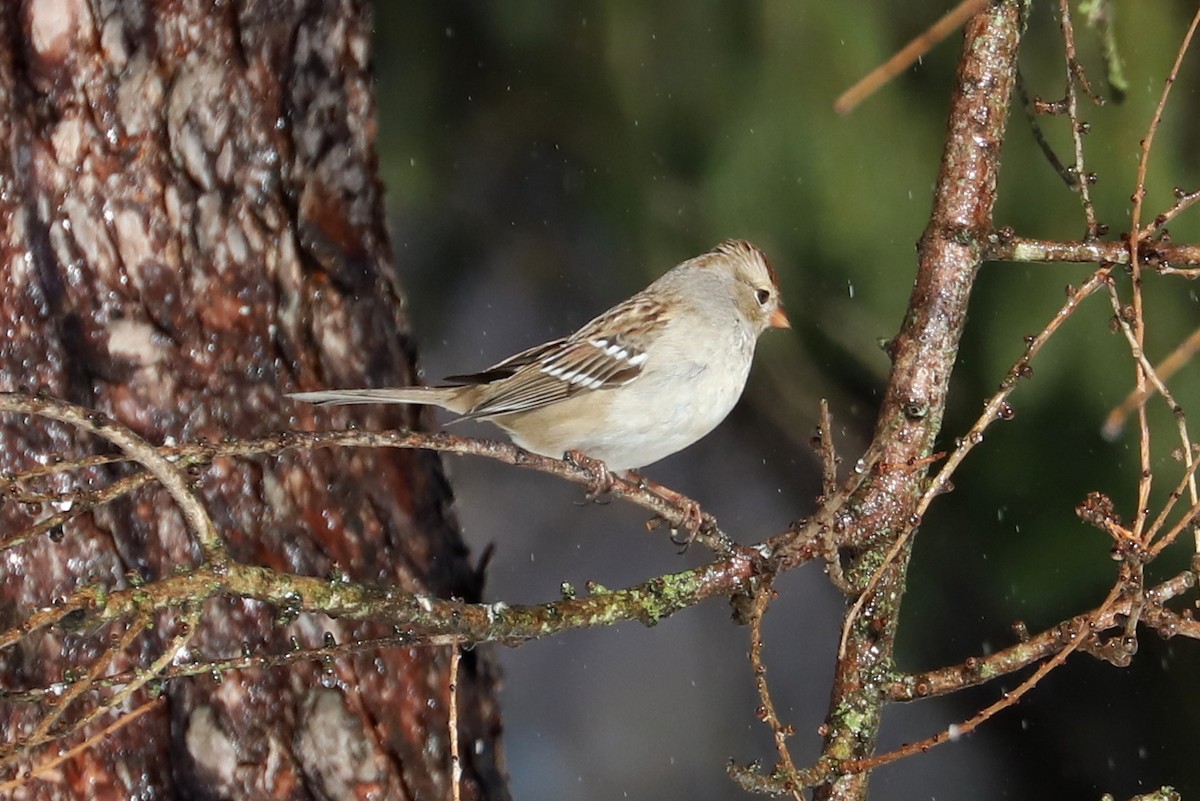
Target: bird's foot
[603,479]
[685,531]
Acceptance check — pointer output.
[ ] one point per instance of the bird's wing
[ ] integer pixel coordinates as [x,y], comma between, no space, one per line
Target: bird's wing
[506,368]
[608,352]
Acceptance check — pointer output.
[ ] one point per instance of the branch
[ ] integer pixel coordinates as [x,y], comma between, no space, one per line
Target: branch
[137,449]
[673,510]
[1006,246]
[923,353]
[978,670]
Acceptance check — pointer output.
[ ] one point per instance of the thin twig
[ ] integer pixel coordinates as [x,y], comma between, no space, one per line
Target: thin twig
[1147,371]
[1032,110]
[997,407]
[138,450]
[178,457]
[915,49]
[1076,74]
[829,457]
[1078,636]
[1183,201]
[188,628]
[78,504]
[1135,227]
[50,764]
[1100,15]
[1004,246]
[207,667]
[1187,521]
[455,760]
[1183,353]
[77,688]
[767,713]
[977,670]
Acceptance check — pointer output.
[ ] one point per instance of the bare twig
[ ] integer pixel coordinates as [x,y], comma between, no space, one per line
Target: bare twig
[997,407]
[88,682]
[829,457]
[1099,15]
[1147,372]
[1187,521]
[207,667]
[1135,237]
[786,769]
[676,513]
[1158,255]
[977,670]
[455,760]
[1076,74]
[1076,637]
[948,24]
[187,631]
[1184,200]
[58,759]
[1183,353]
[137,449]
[1032,109]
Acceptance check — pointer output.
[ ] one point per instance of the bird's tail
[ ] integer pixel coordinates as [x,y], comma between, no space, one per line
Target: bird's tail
[425,396]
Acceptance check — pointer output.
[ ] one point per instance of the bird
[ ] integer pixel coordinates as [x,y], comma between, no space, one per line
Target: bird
[641,381]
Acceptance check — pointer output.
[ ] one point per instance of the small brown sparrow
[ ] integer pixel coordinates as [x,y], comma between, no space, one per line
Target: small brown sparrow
[645,379]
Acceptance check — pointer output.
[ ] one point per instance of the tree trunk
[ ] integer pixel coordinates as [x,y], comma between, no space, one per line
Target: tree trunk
[191,226]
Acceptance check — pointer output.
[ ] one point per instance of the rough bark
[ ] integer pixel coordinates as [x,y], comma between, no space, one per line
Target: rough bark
[191,225]
[923,354]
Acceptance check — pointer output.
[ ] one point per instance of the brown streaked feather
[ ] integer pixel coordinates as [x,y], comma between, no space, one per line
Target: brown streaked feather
[747,250]
[508,367]
[600,355]
[531,391]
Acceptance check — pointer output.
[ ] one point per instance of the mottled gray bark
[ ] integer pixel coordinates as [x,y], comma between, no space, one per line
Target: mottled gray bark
[191,225]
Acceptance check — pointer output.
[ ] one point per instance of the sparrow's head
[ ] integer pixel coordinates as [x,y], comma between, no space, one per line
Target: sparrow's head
[756,287]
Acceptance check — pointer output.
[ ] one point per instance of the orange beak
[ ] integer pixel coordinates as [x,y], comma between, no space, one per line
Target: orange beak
[779,319]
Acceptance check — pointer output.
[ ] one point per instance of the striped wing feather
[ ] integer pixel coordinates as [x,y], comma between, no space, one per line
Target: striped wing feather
[607,352]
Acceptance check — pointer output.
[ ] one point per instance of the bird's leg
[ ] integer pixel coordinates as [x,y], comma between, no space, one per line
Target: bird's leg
[693,515]
[603,479]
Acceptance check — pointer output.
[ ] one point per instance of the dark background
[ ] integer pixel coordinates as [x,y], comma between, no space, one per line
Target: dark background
[544,160]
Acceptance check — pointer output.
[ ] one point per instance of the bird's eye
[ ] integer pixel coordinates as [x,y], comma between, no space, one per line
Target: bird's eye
[763,295]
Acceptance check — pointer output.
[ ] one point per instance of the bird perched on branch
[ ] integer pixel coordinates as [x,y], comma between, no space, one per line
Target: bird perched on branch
[645,379]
